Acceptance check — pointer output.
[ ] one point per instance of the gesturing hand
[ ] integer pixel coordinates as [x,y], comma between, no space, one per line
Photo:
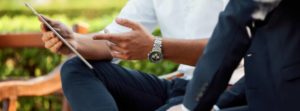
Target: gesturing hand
[133,45]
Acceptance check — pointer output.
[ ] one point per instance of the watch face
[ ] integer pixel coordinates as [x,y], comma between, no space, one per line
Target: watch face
[155,56]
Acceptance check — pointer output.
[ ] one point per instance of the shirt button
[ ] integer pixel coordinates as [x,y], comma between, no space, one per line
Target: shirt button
[249,55]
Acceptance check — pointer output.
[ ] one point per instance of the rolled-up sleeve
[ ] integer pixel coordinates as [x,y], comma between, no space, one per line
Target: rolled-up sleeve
[141,11]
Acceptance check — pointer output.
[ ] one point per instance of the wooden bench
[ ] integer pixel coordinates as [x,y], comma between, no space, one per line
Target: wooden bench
[39,86]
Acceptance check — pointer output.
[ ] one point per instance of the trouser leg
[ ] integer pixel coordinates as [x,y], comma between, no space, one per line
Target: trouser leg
[110,87]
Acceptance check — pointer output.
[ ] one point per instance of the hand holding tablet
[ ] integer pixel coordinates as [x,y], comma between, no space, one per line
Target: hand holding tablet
[59,36]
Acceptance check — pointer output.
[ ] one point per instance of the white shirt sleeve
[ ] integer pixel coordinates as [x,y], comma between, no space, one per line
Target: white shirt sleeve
[141,11]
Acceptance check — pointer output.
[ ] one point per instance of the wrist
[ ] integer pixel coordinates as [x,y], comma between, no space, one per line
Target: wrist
[75,40]
[150,46]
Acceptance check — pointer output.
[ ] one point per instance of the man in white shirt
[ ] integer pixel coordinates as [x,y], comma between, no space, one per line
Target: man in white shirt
[111,87]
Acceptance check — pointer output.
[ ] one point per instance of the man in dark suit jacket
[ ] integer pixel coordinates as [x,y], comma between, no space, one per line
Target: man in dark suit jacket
[267,34]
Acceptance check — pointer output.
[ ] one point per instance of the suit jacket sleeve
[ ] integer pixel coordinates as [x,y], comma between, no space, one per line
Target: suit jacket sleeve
[223,53]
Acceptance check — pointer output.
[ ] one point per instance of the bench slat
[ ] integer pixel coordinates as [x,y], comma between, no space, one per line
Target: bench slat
[21,40]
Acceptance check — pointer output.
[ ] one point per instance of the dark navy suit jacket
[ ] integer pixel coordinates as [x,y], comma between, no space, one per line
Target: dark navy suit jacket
[271,52]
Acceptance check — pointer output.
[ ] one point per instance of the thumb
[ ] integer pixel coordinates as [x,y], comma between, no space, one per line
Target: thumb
[46,19]
[128,23]
[51,22]
[44,28]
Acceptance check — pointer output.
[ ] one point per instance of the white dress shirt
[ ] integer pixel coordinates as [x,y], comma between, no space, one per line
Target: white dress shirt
[183,19]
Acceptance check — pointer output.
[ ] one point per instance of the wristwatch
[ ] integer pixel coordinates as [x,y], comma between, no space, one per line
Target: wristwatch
[156,55]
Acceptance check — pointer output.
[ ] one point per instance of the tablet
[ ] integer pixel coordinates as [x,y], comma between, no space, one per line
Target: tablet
[59,36]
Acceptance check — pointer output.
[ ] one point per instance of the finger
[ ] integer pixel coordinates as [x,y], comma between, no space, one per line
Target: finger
[116,48]
[51,22]
[44,28]
[47,36]
[115,38]
[54,40]
[119,55]
[51,43]
[128,23]
[56,47]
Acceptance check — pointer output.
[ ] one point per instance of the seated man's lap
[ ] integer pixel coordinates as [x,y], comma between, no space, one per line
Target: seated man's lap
[131,90]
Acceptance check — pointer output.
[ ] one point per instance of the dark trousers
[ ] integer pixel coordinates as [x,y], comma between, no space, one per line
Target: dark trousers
[110,87]
[237,108]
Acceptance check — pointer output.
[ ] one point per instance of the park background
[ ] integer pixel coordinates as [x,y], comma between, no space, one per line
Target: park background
[26,63]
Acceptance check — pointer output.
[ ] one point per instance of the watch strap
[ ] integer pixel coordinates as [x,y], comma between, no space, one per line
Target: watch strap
[157,45]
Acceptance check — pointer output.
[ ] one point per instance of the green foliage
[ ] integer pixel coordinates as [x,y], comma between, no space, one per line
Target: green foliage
[151,68]
[26,63]
[22,23]
[45,103]
[72,8]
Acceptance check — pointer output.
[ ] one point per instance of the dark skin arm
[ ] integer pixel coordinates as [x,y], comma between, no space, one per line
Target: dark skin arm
[136,44]
[133,45]
[183,51]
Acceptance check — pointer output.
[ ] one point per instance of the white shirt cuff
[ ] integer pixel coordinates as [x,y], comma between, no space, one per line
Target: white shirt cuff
[216,108]
[184,108]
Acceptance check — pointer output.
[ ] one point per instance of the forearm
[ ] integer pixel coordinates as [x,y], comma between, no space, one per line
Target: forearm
[92,49]
[183,51]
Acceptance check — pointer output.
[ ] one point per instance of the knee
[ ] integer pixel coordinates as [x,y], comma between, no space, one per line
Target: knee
[74,69]
[71,65]
[71,70]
